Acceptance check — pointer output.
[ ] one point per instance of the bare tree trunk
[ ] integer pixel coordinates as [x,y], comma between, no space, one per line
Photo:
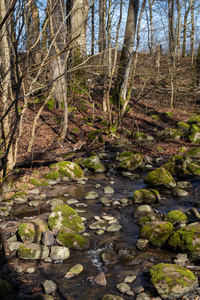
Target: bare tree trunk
[126,56]
[192,33]
[151,26]
[92,44]
[185,31]
[6,94]
[178,42]
[171,49]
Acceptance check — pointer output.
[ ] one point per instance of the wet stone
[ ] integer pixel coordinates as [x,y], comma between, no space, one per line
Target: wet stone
[143,296]
[14,245]
[35,192]
[179,192]
[108,190]
[123,287]
[91,196]
[105,201]
[74,271]
[49,287]
[33,203]
[30,270]
[130,279]
[142,244]
[109,256]
[100,279]
[181,259]
[20,200]
[100,224]
[113,228]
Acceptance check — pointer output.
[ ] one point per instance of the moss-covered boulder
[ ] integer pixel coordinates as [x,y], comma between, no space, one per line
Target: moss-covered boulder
[67,169]
[187,239]
[65,216]
[183,126]
[129,161]
[194,153]
[146,196]
[32,251]
[32,231]
[69,238]
[176,217]
[160,177]
[157,232]
[172,281]
[94,163]
[142,137]
[194,133]
[194,120]
[6,290]
[170,133]
[194,168]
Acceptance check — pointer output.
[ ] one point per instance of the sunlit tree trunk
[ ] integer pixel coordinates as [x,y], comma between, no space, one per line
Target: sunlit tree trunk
[192,33]
[151,46]
[6,95]
[185,30]
[171,49]
[92,31]
[178,42]
[126,56]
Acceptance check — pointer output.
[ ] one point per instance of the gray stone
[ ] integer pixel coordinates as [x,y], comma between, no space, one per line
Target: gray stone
[130,279]
[54,202]
[143,210]
[72,201]
[35,192]
[142,244]
[59,253]
[100,224]
[123,287]
[143,296]
[108,190]
[49,287]
[33,203]
[113,228]
[47,238]
[30,270]
[181,259]
[105,201]
[91,196]
[109,256]
[20,200]
[112,297]
[14,245]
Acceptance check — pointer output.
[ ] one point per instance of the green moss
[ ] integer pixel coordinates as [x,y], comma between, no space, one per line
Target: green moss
[193,152]
[157,232]
[6,290]
[50,104]
[194,120]
[28,253]
[184,126]
[64,215]
[72,240]
[176,216]
[187,239]
[177,276]
[23,230]
[38,182]
[168,114]
[52,175]
[194,168]
[160,176]
[144,220]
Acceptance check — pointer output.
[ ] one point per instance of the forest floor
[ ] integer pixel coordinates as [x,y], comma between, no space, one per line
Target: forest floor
[86,115]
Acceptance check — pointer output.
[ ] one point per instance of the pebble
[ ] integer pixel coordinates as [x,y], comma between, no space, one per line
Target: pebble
[72,201]
[123,287]
[30,270]
[49,287]
[130,279]
[108,190]
[33,203]
[100,279]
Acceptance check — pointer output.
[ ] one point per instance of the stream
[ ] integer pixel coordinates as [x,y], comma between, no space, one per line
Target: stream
[82,287]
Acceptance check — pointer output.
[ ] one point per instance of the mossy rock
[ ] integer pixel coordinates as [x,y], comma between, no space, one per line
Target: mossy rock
[172,281]
[183,126]
[170,133]
[194,168]
[157,232]
[68,169]
[194,133]
[146,196]
[32,231]
[122,142]
[147,219]
[32,251]
[38,182]
[52,175]
[132,162]
[139,136]
[194,120]
[6,290]
[176,217]
[194,153]
[65,216]
[160,177]
[92,135]
[187,239]
[170,166]
[94,163]
[168,114]
[69,238]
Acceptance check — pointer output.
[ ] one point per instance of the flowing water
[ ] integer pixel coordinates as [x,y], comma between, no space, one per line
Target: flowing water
[82,286]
